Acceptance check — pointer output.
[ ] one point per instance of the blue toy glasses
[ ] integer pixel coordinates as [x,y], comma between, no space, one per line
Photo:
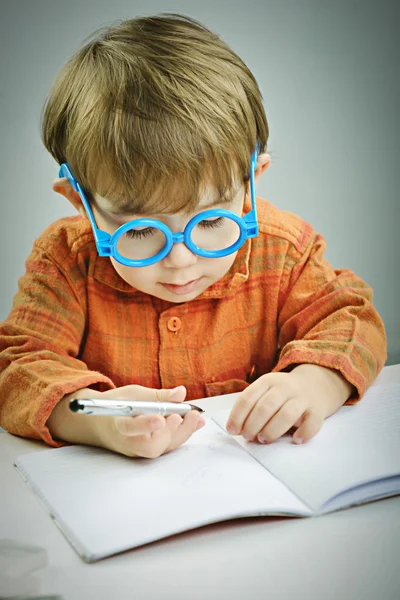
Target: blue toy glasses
[211,233]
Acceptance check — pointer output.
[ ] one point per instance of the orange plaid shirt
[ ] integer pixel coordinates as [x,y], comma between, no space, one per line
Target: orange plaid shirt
[75,323]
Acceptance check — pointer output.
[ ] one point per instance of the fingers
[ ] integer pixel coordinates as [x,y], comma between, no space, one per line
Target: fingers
[282,421]
[150,436]
[311,424]
[156,444]
[144,394]
[191,423]
[273,405]
[147,435]
[141,425]
[176,432]
[177,394]
[147,424]
[143,436]
[243,407]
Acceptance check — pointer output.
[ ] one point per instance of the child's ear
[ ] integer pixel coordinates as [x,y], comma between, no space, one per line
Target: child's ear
[63,187]
[263,162]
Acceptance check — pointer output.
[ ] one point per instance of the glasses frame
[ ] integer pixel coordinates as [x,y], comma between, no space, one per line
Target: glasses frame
[106,243]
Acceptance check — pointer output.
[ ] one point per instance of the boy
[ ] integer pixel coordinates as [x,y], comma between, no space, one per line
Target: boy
[165,287]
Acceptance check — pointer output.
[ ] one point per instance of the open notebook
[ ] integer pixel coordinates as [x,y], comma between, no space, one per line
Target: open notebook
[105,503]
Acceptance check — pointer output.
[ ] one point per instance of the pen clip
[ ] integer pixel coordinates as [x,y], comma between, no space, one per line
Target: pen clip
[76,406]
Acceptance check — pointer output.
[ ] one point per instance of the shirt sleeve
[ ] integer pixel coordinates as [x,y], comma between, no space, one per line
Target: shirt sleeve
[327,318]
[39,345]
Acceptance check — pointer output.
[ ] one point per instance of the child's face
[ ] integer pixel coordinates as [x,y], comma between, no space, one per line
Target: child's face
[181,276]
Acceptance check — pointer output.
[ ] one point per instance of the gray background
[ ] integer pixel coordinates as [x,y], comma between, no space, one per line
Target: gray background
[329,74]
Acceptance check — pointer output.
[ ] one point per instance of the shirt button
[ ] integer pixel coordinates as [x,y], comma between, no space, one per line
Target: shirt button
[174,324]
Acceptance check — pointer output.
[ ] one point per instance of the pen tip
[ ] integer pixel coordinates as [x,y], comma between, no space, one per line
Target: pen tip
[197,408]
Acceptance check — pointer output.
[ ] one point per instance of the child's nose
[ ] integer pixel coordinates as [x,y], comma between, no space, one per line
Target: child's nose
[180,257]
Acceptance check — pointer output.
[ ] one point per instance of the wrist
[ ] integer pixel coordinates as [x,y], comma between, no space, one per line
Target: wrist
[67,426]
[325,383]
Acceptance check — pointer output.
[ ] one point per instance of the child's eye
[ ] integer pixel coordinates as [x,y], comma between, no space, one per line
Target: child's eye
[138,234]
[212,223]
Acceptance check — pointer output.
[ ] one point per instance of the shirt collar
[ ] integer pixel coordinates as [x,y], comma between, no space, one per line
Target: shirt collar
[236,276]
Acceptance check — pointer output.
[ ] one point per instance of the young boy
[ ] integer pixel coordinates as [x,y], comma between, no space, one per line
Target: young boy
[165,287]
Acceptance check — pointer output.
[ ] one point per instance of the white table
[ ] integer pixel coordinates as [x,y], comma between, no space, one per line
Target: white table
[348,555]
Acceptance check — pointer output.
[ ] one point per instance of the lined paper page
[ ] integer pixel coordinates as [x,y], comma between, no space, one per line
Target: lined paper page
[105,502]
[357,444]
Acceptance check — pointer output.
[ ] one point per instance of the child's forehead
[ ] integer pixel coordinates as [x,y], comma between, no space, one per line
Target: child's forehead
[162,186]
[209,196]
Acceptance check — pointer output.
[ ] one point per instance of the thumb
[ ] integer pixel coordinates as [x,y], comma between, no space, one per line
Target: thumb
[145,394]
[177,394]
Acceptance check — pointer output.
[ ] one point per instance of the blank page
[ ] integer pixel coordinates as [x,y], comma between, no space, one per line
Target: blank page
[357,444]
[105,503]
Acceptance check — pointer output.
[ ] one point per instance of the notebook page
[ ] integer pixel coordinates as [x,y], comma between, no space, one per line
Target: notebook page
[104,502]
[373,490]
[357,444]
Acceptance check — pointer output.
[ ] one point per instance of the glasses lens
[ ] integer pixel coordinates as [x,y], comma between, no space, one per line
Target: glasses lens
[139,243]
[217,233]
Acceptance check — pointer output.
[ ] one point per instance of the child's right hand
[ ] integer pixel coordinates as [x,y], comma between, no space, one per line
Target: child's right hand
[148,436]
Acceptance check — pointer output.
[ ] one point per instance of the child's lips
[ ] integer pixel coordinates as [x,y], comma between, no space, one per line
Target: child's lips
[186,288]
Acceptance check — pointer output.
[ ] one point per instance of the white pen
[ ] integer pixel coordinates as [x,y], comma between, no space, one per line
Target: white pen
[130,408]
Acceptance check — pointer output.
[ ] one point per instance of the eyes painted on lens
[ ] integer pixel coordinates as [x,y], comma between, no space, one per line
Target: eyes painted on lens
[138,234]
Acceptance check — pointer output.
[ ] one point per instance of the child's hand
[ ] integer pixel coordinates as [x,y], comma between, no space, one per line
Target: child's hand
[303,398]
[148,436]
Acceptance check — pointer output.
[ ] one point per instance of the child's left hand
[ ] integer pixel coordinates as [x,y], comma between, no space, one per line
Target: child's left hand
[303,398]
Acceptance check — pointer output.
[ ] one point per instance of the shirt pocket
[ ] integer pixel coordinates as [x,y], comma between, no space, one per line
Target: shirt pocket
[220,388]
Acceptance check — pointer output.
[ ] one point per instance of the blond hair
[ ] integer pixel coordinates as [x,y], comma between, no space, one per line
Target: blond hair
[152,109]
